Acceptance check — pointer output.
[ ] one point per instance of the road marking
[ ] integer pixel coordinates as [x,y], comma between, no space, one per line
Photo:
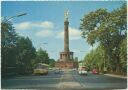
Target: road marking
[68,82]
[82,85]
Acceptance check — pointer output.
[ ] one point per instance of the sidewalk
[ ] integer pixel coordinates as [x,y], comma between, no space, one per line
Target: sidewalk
[118,76]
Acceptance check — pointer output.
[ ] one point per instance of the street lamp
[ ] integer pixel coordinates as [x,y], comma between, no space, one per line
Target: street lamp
[19,15]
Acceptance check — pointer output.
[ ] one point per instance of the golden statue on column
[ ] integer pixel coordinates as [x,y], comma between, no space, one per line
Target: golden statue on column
[66,15]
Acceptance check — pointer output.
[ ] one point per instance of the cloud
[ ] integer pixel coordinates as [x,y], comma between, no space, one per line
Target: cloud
[23,26]
[46,24]
[74,34]
[44,33]
[31,25]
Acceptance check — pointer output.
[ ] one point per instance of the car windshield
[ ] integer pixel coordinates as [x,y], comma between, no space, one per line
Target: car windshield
[41,66]
[82,68]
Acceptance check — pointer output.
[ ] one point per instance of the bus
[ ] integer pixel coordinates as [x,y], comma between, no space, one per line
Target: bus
[41,69]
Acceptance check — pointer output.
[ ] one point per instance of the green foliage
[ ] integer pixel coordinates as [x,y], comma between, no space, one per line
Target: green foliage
[103,26]
[42,56]
[123,55]
[95,59]
[108,29]
[51,62]
[26,53]
[8,46]
[17,53]
[90,24]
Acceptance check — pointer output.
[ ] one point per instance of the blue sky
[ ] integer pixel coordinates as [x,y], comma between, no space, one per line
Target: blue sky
[44,22]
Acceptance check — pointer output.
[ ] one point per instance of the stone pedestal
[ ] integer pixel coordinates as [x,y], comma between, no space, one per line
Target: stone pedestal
[64,65]
[66,61]
[66,56]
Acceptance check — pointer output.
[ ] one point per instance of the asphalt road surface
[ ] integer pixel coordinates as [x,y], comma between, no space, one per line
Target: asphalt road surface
[66,80]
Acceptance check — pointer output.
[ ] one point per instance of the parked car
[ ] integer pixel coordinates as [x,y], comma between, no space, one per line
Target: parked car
[50,68]
[82,71]
[94,71]
[57,71]
[74,69]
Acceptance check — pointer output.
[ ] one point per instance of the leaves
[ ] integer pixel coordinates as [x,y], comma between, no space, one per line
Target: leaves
[123,54]
[108,29]
[95,59]
[8,46]
[42,56]
[26,53]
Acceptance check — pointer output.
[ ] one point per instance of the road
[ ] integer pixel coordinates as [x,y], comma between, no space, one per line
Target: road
[67,80]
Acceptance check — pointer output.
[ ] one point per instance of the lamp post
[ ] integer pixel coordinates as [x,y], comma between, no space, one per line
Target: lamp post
[19,15]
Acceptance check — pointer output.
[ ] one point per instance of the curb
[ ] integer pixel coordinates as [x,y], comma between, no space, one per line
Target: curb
[118,76]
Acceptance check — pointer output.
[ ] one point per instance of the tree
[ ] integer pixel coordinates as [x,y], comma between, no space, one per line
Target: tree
[95,59]
[8,46]
[51,62]
[108,29]
[42,56]
[25,56]
[123,55]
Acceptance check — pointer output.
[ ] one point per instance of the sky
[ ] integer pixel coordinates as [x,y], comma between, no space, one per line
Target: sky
[44,23]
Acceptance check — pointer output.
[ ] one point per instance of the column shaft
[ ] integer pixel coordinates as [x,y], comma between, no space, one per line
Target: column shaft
[66,36]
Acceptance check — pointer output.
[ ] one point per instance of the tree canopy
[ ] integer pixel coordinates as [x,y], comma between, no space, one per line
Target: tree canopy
[26,54]
[109,29]
[42,56]
[8,46]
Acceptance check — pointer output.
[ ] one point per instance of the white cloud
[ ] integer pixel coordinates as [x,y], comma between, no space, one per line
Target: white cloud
[23,26]
[46,24]
[44,33]
[31,25]
[74,34]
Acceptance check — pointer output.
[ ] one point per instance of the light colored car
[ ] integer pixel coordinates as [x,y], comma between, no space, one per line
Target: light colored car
[41,69]
[74,69]
[50,69]
[82,71]
[57,71]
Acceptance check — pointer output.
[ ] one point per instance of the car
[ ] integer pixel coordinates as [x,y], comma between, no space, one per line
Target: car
[50,68]
[82,71]
[94,71]
[74,69]
[41,69]
[57,71]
